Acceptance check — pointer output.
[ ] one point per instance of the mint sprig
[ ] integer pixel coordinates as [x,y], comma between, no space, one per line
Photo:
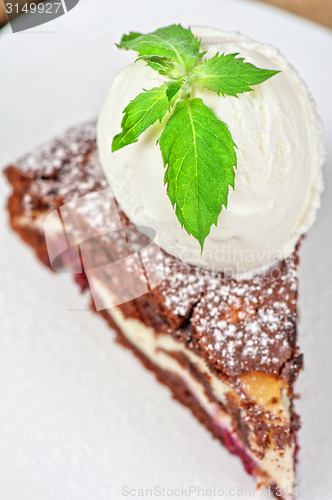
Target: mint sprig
[197,148]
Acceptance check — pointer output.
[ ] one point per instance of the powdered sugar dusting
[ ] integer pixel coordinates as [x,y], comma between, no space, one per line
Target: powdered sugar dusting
[187,284]
[63,169]
[249,325]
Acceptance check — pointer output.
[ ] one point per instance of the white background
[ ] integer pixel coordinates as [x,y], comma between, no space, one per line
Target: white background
[79,417]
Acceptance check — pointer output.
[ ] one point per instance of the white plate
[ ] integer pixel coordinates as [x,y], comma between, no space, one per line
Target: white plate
[79,417]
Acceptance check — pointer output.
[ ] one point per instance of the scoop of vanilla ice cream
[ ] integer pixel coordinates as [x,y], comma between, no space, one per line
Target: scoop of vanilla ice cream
[279,174]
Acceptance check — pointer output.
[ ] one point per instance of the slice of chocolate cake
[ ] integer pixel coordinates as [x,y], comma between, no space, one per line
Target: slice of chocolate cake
[226,348]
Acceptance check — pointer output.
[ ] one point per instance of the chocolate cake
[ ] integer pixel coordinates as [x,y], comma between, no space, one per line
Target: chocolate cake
[226,348]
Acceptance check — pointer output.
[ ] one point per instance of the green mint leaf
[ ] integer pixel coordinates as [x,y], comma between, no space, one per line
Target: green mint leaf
[173,90]
[227,74]
[128,38]
[174,42]
[164,65]
[198,152]
[147,108]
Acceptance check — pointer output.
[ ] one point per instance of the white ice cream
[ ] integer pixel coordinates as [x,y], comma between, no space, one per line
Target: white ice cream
[279,174]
